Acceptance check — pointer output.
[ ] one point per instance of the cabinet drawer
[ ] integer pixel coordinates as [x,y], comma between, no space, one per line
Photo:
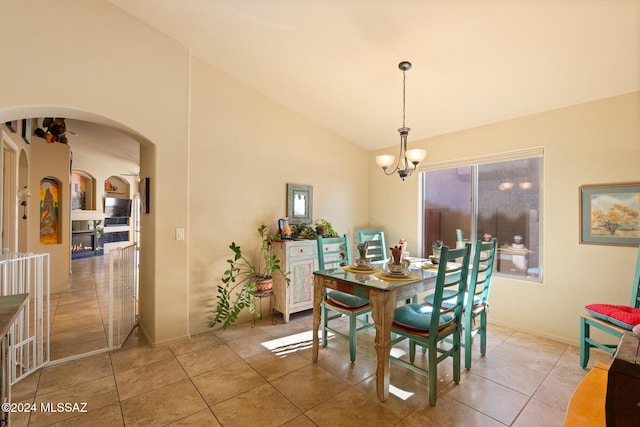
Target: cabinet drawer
[306,250]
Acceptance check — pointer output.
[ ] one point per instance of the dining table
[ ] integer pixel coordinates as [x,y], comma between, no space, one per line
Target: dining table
[383,290]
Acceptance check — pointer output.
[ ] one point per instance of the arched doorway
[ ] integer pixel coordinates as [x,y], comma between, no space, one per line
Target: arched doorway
[11,206]
[9,193]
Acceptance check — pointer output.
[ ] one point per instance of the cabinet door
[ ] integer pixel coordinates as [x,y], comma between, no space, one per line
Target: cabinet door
[301,288]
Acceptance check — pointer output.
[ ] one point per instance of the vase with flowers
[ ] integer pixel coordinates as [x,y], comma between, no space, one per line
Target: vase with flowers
[396,265]
[436,247]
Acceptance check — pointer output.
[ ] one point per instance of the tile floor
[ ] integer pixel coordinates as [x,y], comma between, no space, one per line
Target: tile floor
[264,376]
[80,314]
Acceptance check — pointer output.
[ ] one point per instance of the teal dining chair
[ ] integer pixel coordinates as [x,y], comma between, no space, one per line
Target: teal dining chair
[332,253]
[431,326]
[610,322]
[477,303]
[377,249]
[474,315]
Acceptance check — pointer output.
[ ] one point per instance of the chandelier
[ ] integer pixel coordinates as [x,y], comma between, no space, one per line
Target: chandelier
[408,160]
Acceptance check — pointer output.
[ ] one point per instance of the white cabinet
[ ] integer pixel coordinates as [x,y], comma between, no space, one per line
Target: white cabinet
[300,258]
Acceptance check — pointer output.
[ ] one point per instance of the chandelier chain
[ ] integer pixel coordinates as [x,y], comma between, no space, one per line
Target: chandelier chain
[404,85]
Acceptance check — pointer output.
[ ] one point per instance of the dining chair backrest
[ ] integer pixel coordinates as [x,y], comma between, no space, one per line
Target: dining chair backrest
[333,251]
[481,272]
[452,282]
[377,249]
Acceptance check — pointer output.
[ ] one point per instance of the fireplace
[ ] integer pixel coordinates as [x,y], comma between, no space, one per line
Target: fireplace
[83,244]
[84,239]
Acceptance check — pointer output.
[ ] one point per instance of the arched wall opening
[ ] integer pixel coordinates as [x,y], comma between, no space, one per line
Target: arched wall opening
[83,190]
[28,231]
[25,199]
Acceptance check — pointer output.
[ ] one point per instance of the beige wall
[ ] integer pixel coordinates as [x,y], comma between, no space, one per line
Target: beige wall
[219,156]
[14,177]
[44,160]
[596,142]
[244,150]
[51,160]
[102,65]
[219,162]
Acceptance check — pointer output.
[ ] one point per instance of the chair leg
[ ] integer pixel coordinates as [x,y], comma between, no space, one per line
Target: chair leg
[324,322]
[433,372]
[584,345]
[456,355]
[483,332]
[412,351]
[467,344]
[353,326]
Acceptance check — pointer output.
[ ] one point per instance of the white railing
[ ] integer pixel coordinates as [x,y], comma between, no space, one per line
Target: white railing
[30,334]
[123,293]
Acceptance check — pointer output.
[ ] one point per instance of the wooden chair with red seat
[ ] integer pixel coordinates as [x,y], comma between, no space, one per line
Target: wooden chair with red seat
[612,319]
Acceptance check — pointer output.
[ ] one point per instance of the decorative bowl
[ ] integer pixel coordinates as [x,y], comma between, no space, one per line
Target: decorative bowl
[434,259]
[363,262]
[396,268]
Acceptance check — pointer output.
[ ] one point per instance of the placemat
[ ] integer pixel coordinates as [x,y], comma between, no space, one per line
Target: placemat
[351,269]
[433,267]
[384,276]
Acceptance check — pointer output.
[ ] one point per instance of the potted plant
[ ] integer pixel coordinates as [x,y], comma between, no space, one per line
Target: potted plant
[325,229]
[303,231]
[363,248]
[243,279]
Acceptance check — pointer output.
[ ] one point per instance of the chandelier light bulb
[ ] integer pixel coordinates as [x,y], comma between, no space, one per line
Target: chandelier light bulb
[416,155]
[385,160]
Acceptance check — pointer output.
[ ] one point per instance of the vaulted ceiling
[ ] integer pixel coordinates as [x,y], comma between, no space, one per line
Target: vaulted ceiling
[474,61]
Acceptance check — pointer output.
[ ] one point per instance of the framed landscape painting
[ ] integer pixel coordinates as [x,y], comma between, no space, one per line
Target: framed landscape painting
[610,214]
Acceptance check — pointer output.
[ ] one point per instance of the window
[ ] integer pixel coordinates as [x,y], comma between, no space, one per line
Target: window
[468,201]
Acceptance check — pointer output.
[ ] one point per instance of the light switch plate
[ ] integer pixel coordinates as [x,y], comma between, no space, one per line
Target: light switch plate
[179,233]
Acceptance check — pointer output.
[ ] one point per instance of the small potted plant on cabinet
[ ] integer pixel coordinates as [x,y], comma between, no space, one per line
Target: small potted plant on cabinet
[243,279]
[325,229]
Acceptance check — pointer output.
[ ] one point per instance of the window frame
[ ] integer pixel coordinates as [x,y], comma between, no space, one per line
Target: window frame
[474,162]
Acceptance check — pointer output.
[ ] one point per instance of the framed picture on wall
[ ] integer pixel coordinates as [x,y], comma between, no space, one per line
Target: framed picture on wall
[300,204]
[27,130]
[12,125]
[144,195]
[610,214]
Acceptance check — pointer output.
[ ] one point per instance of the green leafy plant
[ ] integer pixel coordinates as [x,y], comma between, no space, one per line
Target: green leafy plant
[362,249]
[303,231]
[320,227]
[237,291]
[325,228]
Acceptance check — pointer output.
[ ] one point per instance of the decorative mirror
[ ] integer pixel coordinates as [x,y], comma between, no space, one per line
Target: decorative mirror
[300,204]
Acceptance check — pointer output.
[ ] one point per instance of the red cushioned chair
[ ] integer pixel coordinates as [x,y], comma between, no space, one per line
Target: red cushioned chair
[610,319]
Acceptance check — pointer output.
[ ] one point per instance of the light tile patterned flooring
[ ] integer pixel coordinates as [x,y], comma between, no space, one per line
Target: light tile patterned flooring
[264,376]
[80,314]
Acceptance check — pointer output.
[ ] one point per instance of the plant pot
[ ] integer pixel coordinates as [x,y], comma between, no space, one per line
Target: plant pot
[363,262]
[264,285]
